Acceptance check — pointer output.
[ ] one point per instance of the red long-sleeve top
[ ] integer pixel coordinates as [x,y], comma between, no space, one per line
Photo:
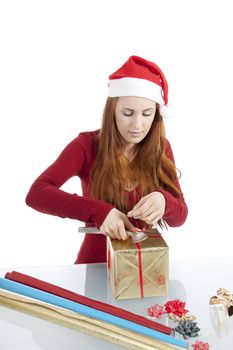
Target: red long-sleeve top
[76,159]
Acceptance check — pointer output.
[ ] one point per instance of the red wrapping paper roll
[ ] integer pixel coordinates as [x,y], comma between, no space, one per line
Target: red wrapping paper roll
[67,294]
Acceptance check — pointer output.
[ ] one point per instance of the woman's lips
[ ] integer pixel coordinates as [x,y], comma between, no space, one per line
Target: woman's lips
[135,133]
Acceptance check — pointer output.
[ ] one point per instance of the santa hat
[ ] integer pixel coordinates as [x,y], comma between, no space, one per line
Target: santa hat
[141,78]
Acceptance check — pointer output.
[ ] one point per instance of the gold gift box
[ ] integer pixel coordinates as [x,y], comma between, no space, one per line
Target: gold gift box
[138,270]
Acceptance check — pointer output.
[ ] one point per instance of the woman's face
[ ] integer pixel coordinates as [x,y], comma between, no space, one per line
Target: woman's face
[134,116]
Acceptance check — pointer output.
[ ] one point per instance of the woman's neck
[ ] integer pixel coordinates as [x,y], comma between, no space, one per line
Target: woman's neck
[130,151]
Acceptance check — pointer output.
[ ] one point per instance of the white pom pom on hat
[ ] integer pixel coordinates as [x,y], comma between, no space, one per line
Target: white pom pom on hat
[164,111]
[141,78]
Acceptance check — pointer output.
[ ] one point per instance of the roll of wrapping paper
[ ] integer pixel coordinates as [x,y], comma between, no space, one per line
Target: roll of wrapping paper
[87,311]
[117,335]
[67,294]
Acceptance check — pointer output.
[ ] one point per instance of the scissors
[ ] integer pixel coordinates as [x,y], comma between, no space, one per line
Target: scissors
[137,237]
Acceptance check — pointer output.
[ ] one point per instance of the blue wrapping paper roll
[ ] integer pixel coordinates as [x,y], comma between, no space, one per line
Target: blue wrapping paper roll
[88,311]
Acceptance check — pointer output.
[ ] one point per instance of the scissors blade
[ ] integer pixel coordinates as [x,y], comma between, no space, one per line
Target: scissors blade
[137,236]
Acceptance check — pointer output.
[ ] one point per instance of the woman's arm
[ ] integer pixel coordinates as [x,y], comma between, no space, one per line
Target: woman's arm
[46,196]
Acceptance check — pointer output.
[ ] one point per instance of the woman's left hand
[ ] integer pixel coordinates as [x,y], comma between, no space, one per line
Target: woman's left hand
[150,208]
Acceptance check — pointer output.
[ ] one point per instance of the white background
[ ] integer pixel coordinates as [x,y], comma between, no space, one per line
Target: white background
[55,60]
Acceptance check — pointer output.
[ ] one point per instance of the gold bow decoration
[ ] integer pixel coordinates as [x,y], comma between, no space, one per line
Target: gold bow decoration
[224,297]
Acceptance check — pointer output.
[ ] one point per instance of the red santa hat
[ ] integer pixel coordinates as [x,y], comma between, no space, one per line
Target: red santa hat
[141,78]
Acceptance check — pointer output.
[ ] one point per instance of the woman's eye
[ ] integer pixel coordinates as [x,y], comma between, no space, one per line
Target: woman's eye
[127,114]
[147,115]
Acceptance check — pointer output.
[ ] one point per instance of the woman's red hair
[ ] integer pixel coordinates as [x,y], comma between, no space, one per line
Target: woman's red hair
[112,174]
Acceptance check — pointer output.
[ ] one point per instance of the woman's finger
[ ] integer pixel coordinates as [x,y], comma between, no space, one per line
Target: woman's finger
[141,210]
[150,210]
[116,233]
[152,220]
[121,231]
[110,233]
[137,206]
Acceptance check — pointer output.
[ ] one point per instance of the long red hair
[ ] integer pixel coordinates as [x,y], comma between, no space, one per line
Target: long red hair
[112,173]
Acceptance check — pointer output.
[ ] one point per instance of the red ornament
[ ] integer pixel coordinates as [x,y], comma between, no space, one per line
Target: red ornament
[176,307]
[199,345]
[155,311]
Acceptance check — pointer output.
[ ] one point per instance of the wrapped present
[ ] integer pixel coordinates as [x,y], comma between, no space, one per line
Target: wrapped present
[138,270]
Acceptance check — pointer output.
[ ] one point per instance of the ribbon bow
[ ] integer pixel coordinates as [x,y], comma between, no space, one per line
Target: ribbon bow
[224,297]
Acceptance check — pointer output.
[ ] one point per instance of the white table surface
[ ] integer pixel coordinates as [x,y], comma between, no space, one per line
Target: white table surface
[191,280]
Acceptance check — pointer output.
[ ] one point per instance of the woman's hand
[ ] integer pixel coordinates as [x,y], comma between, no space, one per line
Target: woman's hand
[150,208]
[115,225]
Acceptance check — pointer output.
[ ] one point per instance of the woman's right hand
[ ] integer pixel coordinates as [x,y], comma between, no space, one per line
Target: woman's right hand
[115,225]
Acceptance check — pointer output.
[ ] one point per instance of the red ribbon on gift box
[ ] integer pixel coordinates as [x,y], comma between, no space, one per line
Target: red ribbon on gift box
[140,270]
[140,266]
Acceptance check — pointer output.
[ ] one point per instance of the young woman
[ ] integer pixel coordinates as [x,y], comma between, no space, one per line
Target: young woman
[127,169]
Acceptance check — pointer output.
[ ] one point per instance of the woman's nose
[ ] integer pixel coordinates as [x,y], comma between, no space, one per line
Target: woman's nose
[137,121]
